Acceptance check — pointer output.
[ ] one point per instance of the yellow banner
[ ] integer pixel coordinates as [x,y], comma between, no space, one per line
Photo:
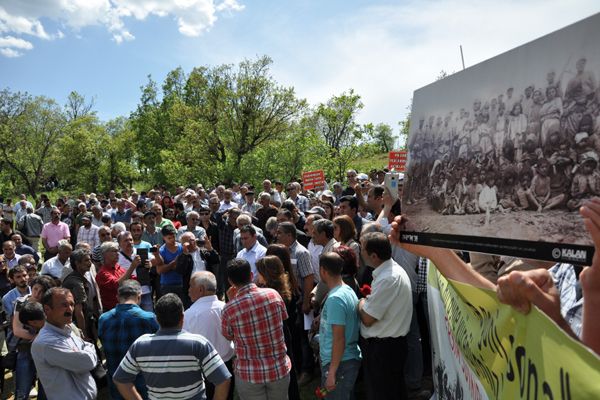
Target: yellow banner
[514,356]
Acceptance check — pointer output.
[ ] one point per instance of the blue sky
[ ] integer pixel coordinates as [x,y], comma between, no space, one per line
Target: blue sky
[383,49]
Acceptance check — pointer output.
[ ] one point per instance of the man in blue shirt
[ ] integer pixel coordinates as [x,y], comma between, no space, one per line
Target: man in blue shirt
[338,331]
[18,276]
[171,281]
[120,327]
[174,363]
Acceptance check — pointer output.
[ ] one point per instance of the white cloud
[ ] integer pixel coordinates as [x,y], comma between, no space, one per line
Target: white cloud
[387,52]
[10,46]
[10,53]
[10,41]
[194,17]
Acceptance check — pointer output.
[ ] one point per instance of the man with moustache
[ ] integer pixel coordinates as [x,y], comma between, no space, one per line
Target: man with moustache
[62,359]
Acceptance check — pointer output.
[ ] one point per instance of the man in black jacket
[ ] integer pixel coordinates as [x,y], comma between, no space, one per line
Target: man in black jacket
[194,259]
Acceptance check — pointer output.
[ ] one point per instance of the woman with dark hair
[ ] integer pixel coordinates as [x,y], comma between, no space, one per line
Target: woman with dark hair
[329,208]
[350,267]
[283,254]
[344,231]
[272,274]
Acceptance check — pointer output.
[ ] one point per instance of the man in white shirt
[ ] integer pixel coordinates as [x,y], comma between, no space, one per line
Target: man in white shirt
[56,265]
[252,251]
[204,318]
[227,201]
[385,320]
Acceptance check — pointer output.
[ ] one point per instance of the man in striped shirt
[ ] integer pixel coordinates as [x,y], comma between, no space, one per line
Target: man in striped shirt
[172,361]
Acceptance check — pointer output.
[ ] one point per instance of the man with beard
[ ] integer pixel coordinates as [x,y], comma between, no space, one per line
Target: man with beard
[18,277]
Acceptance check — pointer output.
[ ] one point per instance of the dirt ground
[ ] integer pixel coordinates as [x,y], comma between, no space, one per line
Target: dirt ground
[555,226]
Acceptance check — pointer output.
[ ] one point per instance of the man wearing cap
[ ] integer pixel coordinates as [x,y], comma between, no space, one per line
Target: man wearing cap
[250,206]
[88,233]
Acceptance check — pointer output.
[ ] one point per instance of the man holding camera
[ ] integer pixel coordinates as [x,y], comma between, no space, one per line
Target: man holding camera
[198,255]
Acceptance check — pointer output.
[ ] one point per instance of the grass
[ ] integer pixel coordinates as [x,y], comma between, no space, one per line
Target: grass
[365,164]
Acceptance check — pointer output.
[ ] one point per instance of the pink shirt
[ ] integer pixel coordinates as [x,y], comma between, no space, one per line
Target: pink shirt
[55,232]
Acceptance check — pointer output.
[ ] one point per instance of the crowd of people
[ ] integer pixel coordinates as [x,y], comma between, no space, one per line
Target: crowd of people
[203,292]
[536,148]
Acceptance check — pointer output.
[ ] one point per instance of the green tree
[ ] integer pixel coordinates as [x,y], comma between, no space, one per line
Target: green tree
[29,131]
[120,165]
[80,153]
[336,122]
[213,118]
[382,135]
[78,107]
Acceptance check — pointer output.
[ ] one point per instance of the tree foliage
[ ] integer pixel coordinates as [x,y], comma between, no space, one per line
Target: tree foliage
[211,124]
[30,128]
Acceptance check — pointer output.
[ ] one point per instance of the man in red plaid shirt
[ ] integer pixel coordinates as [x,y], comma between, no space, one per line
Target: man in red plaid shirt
[253,319]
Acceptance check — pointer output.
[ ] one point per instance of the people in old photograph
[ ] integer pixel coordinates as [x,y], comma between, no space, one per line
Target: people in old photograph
[527,149]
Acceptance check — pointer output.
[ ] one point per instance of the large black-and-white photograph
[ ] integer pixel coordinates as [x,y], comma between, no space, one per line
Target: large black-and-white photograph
[503,154]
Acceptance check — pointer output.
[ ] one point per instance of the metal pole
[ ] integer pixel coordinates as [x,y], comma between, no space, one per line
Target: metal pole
[462,57]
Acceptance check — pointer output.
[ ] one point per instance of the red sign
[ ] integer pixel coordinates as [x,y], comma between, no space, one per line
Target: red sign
[313,180]
[397,160]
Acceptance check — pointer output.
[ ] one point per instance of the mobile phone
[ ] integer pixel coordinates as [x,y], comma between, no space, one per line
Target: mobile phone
[391,182]
[200,242]
[143,253]
[153,250]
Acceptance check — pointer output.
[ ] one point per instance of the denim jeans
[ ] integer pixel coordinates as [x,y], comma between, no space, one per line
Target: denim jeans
[24,374]
[345,378]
